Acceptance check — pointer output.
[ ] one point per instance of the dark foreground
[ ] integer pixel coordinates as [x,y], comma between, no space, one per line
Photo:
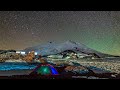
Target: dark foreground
[64,76]
[31,74]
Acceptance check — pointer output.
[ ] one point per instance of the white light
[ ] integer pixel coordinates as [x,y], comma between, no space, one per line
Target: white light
[22,52]
[17,51]
[35,53]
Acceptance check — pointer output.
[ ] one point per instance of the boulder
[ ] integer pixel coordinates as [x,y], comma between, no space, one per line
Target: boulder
[29,57]
[77,69]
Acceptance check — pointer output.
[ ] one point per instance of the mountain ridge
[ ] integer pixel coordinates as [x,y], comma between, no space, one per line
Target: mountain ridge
[54,48]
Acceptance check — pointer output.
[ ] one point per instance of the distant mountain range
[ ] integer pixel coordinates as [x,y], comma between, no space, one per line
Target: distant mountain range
[53,48]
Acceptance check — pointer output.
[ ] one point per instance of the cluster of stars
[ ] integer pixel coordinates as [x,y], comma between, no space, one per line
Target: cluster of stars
[96,29]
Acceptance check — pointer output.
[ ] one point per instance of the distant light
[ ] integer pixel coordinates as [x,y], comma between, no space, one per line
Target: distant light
[17,51]
[22,52]
[36,53]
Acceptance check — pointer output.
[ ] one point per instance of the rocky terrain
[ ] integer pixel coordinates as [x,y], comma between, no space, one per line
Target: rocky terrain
[77,58]
[106,64]
[110,66]
[15,57]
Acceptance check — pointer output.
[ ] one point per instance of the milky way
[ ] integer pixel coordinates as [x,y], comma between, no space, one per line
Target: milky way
[99,30]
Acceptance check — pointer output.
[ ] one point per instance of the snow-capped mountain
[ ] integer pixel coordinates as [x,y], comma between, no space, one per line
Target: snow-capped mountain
[53,48]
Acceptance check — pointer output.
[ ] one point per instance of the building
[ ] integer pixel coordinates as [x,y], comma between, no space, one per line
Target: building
[21,52]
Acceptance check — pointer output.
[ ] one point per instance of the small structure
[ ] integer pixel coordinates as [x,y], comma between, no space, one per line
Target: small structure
[69,54]
[21,52]
[45,69]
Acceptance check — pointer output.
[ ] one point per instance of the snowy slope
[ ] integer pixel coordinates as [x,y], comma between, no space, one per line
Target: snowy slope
[53,48]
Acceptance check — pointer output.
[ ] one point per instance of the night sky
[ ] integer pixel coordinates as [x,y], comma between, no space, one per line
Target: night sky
[99,30]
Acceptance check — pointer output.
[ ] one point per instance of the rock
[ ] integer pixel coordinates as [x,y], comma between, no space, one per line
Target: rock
[29,57]
[98,70]
[2,60]
[16,56]
[79,77]
[36,61]
[92,77]
[15,61]
[113,75]
[42,60]
[77,69]
[73,56]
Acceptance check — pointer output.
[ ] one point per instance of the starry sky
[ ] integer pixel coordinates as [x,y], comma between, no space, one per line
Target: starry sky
[99,30]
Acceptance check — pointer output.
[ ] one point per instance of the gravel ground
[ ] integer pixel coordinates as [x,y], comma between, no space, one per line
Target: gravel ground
[110,66]
[15,72]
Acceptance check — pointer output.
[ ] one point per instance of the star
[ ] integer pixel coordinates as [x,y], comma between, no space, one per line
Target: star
[98,30]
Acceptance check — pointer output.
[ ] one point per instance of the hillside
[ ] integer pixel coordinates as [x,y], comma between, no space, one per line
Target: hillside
[53,48]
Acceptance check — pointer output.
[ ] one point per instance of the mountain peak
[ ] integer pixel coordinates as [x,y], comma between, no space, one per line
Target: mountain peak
[53,48]
[70,41]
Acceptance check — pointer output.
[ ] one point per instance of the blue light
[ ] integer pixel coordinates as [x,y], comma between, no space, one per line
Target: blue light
[54,71]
